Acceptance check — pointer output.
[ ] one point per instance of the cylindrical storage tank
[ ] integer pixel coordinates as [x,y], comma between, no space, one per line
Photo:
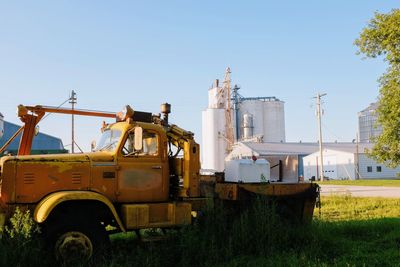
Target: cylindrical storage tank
[247,125]
[213,139]
[367,126]
[255,108]
[268,118]
[213,97]
[1,125]
[274,121]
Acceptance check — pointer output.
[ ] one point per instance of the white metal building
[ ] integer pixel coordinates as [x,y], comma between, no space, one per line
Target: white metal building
[337,165]
[292,162]
[341,163]
[285,158]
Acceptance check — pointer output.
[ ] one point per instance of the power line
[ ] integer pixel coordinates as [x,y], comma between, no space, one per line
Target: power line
[331,132]
[48,114]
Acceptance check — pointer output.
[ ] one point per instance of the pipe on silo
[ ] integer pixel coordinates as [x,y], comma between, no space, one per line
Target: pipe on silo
[247,125]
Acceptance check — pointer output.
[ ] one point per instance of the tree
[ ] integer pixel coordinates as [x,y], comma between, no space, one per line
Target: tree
[382,38]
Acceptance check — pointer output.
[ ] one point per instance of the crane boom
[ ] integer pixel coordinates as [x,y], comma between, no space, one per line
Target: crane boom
[31,116]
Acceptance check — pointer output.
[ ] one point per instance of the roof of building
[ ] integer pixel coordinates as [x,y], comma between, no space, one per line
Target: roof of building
[40,142]
[265,149]
[371,108]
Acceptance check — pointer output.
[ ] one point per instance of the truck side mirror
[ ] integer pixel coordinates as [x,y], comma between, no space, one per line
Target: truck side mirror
[37,129]
[138,138]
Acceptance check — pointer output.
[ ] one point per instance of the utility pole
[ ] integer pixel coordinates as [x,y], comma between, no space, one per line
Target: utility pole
[321,156]
[72,101]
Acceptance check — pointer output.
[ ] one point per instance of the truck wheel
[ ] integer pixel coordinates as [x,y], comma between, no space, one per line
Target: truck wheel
[77,241]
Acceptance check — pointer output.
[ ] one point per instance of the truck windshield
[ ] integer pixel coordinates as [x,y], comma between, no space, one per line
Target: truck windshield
[109,140]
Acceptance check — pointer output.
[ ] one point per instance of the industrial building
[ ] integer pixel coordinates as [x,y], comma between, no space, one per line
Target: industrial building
[236,127]
[231,118]
[349,163]
[42,143]
[367,124]
[286,159]
[293,162]
[260,118]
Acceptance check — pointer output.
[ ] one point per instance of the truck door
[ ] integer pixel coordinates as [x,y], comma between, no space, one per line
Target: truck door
[143,175]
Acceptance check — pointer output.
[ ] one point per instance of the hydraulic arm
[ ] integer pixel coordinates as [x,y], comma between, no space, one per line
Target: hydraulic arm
[31,116]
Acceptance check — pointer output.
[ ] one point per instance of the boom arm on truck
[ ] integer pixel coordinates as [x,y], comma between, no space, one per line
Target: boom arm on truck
[31,116]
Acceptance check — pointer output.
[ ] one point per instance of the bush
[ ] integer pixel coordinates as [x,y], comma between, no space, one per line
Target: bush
[22,227]
[19,243]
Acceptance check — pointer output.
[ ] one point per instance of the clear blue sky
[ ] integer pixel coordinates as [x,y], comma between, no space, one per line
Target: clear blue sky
[144,53]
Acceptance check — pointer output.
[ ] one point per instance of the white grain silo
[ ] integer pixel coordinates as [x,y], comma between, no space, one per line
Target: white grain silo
[274,121]
[1,125]
[268,118]
[367,124]
[213,132]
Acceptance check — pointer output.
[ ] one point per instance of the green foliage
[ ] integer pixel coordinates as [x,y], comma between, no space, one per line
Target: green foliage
[350,232]
[23,227]
[381,38]
[19,244]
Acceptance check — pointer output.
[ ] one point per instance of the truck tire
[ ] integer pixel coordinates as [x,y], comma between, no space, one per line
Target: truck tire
[77,240]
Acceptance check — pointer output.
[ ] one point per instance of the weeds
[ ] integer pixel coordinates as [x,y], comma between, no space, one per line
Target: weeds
[19,243]
[350,232]
[22,226]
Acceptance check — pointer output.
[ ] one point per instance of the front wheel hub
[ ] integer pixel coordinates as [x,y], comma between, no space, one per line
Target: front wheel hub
[73,245]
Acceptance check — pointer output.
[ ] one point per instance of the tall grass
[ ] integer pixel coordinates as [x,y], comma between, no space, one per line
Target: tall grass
[218,238]
[19,243]
[255,236]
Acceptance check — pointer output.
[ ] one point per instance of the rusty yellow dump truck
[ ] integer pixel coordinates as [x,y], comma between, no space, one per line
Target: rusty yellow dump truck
[143,173]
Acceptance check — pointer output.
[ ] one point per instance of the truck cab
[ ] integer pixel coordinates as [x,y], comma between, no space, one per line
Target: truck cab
[124,182]
[130,163]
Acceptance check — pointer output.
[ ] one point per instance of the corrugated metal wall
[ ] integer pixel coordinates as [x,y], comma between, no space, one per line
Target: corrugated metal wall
[370,169]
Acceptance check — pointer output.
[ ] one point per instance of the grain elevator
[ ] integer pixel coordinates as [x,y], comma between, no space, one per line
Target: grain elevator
[231,118]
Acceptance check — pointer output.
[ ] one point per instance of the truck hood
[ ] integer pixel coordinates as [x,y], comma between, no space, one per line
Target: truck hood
[85,157]
[101,156]
[52,158]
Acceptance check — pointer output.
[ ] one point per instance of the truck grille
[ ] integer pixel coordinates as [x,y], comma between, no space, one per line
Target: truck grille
[29,178]
[76,178]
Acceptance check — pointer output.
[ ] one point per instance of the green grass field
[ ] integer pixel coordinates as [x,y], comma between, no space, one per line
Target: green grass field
[391,183]
[346,232]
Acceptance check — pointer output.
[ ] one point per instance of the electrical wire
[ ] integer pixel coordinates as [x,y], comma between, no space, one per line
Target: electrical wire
[59,106]
[48,114]
[331,132]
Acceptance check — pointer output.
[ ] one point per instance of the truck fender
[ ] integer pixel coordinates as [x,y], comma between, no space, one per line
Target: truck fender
[47,204]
